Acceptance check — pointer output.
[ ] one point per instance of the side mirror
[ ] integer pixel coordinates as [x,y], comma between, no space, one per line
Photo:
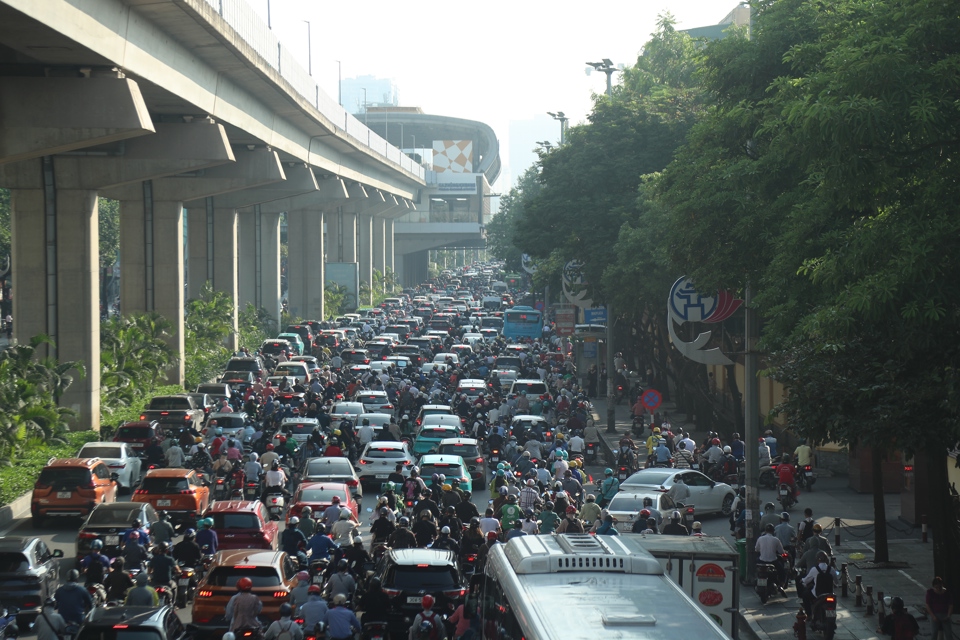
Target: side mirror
[57,553]
[114,476]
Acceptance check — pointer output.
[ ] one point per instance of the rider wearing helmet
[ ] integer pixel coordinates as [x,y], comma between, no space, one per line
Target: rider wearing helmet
[900,623]
[374,603]
[314,610]
[96,565]
[244,607]
[608,488]
[427,624]
[207,537]
[285,624]
[402,538]
[164,570]
[675,527]
[341,622]
[570,523]
[134,553]
[162,530]
[187,552]
[292,540]
[73,601]
[142,595]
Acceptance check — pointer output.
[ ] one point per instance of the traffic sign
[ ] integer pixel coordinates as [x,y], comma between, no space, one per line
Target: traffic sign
[538,305]
[596,315]
[651,399]
[566,319]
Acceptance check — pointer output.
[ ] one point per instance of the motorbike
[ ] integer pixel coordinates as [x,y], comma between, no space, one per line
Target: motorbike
[638,426]
[824,618]
[591,453]
[786,498]
[494,458]
[251,490]
[187,583]
[275,504]
[806,478]
[375,631]
[689,514]
[8,623]
[98,593]
[318,570]
[766,581]
[165,593]
[622,473]
[319,632]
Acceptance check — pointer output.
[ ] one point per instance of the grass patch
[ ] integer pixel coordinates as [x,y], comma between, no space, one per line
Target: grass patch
[19,478]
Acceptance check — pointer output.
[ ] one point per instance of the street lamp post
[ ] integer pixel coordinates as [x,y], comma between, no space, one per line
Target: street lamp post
[559,115]
[309,50]
[606,66]
[339,84]
[364,105]
[269,21]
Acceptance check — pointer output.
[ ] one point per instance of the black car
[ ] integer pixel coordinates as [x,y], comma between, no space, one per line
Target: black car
[132,623]
[253,364]
[355,356]
[411,352]
[304,331]
[109,522]
[409,574]
[29,574]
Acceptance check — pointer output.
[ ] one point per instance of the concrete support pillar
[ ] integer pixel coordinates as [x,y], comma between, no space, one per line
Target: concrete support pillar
[415,268]
[348,238]
[247,285]
[151,259]
[379,254]
[388,245]
[332,238]
[225,261]
[365,251]
[199,234]
[305,267]
[270,293]
[55,240]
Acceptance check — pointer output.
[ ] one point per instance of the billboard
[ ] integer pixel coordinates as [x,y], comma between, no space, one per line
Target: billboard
[453,156]
[566,319]
[462,184]
[345,274]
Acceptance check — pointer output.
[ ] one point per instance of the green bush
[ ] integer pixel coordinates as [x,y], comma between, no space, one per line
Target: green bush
[18,479]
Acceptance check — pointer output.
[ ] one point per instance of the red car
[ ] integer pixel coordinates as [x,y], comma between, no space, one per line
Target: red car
[319,495]
[139,434]
[243,524]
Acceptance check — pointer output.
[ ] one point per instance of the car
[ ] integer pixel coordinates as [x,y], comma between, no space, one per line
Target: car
[707,495]
[409,351]
[298,370]
[120,458]
[29,574]
[253,364]
[273,574]
[296,342]
[463,351]
[182,493]
[71,487]
[312,363]
[445,356]
[429,437]
[373,401]
[333,469]
[304,331]
[433,409]
[130,623]
[276,348]
[300,429]
[451,466]
[341,410]
[204,401]
[243,524]
[430,367]
[505,377]
[439,420]
[328,339]
[238,381]
[490,335]
[512,362]
[380,458]
[232,424]
[522,424]
[469,450]
[319,495]
[626,506]
[139,434]
[378,349]
[535,387]
[355,356]
[109,522]
[472,388]
[407,575]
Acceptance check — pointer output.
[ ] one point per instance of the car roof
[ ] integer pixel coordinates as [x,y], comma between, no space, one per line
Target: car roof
[221,506]
[16,543]
[73,462]
[428,407]
[432,557]
[104,443]
[232,557]
[332,486]
[301,419]
[440,458]
[329,461]
[386,444]
[169,473]
[458,441]
[130,616]
[471,382]
[529,418]
[372,392]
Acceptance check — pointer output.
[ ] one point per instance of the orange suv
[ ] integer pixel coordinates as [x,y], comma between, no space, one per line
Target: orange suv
[182,493]
[273,574]
[72,487]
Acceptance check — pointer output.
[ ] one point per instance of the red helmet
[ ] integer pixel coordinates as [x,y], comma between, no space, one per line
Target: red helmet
[428,600]
[282,439]
[244,584]
[571,509]
[335,500]
[270,447]
[491,535]
[314,588]
[645,513]
[715,441]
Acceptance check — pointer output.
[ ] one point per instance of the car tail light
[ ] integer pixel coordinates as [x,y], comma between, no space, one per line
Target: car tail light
[478,460]
[140,492]
[86,535]
[188,492]
[367,361]
[143,416]
[393,593]
[455,593]
[120,626]
[407,462]
[352,483]
[362,461]
[281,595]
[471,557]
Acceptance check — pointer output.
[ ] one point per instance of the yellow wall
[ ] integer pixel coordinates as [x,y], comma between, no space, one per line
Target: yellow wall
[771,393]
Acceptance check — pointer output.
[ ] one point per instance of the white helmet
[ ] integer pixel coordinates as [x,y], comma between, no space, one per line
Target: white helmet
[294,521]
[727,449]
[254,456]
[228,636]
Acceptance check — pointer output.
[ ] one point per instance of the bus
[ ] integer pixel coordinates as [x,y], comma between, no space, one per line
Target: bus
[581,586]
[522,322]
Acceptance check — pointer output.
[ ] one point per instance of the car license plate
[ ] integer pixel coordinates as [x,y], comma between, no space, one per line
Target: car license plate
[831,613]
[64,495]
[111,540]
[494,458]
[136,445]
[414,599]
[184,582]
[163,503]
[381,476]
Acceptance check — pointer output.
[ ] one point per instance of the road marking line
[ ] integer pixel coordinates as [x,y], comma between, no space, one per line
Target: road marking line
[910,578]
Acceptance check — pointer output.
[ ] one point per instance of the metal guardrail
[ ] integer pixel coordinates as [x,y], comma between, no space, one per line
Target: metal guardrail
[251,28]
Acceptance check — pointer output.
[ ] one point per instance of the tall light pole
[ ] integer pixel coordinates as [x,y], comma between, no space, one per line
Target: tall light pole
[269,22]
[339,84]
[364,105]
[606,66]
[309,51]
[559,115]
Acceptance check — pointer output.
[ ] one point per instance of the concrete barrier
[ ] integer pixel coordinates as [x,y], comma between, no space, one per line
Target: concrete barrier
[16,509]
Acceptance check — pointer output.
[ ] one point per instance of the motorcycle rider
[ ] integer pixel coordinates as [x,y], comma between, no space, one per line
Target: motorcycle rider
[713,457]
[763,453]
[662,453]
[402,538]
[314,610]
[571,523]
[428,620]
[737,447]
[96,565]
[285,624]
[899,623]
[786,474]
[341,622]
[444,541]
[683,459]
[50,625]
[187,552]
[134,553]
[164,569]
[356,556]
[320,544]
[788,537]
[73,601]
[549,520]
[274,480]
[342,582]
[770,516]
[162,530]
[207,537]
[307,524]
[142,595]
[817,582]
[675,527]
[292,541]
[770,549]
[771,442]
[244,607]
[117,582]
[608,488]
[374,603]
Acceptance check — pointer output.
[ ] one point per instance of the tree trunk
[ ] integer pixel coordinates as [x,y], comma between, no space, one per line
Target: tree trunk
[943,520]
[881,549]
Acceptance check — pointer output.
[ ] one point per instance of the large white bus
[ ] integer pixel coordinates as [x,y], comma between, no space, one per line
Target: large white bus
[549,587]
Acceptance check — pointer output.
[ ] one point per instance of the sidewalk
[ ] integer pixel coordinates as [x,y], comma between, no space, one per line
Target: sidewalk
[908,576]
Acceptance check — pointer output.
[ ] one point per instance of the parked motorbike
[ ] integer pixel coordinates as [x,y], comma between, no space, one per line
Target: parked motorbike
[786,498]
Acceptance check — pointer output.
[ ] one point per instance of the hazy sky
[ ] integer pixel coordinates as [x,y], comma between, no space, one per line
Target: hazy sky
[494,61]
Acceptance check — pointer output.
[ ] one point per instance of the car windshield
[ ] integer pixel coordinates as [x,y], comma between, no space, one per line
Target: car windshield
[383,453]
[235,521]
[652,478]
[335,468]
[299,428]
[628,502]
[134,433]
[64,477]
[422,578]
[342,409]
[99,452]
[529,388]
[462,450]
[164,485]
[13,562]
[114,516]
[433,434]
[89,632]
[370,397]
[320,495]
[449,470]
[228,576]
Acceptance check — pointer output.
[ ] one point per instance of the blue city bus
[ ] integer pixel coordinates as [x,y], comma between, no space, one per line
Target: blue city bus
[522,322]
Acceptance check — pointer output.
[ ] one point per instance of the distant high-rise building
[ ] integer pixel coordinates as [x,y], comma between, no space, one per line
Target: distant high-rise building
[739,16]
[380,92]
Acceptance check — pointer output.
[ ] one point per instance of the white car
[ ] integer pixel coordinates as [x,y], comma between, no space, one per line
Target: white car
[705,494]
[377,420]
[430,367]
[400,362]
[300,429]
[506,378]
[379,459]
[373,401]
[625,507]
[442,357]
[300,370]
[342,410]
[121,459]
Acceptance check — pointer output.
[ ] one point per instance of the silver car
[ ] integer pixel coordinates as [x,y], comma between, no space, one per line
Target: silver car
[707,495]
[121,459]
[334,469]
[379,459]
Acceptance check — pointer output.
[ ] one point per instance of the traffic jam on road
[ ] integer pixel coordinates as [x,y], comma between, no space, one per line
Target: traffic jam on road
[352,477]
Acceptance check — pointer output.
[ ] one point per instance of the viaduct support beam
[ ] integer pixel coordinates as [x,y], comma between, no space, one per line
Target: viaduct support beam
[388,245]
[55,239]
[305,267]
[46,116]
[379,236]
[259,263]
[365,252]
[224,259]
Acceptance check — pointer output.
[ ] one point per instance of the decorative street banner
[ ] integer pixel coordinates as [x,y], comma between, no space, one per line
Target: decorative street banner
[685,304]
[574,284]
[528,264]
